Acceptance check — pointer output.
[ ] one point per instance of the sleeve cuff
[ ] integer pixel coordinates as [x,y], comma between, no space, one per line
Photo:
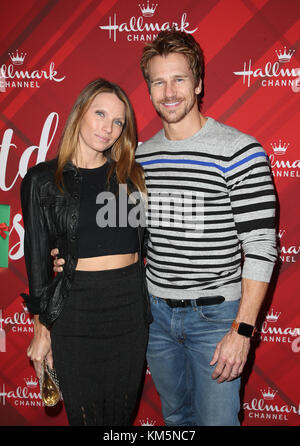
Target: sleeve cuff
[257,270]
[33,305]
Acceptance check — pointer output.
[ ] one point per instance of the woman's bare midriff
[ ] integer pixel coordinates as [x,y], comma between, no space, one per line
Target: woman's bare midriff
[107,262]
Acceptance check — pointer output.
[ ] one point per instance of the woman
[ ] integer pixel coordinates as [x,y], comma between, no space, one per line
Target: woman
[93,317]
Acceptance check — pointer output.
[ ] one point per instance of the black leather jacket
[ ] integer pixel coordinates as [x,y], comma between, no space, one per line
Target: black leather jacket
[50,221]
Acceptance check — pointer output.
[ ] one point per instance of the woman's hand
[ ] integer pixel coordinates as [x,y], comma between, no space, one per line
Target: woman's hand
[40,346]
[57,263]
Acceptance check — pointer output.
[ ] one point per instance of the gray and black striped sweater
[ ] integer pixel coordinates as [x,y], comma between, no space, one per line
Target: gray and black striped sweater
[211,213]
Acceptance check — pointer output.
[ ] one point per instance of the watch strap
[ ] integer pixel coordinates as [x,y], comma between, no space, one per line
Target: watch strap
[244,329]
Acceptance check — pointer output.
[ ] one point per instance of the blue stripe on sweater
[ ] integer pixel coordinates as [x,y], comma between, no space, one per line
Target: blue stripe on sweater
[204,163]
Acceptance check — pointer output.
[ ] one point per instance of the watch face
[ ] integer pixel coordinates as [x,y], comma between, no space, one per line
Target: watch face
[245,329]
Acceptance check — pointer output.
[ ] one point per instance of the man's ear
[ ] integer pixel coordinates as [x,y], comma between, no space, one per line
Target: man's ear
[199,87]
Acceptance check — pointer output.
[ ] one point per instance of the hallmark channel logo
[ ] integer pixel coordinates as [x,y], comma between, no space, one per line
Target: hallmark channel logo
[16,320]
[273,74]
[280,162]
[272,331]
[138,28]
[27,395]
[13,75]
[268,406]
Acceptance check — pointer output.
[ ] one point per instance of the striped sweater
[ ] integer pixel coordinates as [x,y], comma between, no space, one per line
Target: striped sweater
[211,213]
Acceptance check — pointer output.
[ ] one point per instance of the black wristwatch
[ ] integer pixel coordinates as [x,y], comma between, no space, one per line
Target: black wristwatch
[243,329]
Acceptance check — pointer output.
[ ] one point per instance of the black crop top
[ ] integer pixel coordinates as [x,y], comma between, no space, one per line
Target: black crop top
[103,227]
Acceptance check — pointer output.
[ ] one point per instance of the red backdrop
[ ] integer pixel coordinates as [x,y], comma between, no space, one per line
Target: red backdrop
[50,49]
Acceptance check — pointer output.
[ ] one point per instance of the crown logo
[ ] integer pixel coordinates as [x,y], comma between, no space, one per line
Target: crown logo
[279,148]
[147,422]
[148,11]
[32,382]
[273,317]
[268,394]
[17,59]
[284,57]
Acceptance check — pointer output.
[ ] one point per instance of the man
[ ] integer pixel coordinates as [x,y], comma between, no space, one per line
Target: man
[194,271]
[211,199]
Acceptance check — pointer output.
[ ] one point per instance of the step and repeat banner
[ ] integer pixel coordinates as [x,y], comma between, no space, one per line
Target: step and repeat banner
[50,49]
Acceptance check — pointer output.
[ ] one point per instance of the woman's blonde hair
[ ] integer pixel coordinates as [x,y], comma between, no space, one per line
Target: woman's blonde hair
[122,152]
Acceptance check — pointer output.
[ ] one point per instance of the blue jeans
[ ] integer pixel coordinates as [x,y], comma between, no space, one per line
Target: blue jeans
[181,345]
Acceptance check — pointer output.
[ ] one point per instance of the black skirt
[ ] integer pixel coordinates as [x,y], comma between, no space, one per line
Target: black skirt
[99,344]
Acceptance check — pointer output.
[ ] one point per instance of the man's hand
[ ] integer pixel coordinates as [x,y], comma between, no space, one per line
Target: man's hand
[57,263]
[230,356]
[231,352]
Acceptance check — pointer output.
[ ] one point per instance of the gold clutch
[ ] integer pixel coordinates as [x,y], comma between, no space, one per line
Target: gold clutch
[49,386]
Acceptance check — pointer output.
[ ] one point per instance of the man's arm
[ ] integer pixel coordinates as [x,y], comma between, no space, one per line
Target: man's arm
[232,351]
[253,203]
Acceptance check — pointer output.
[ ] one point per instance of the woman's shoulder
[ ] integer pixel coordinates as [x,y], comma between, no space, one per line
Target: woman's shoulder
[43,168]
[43,171]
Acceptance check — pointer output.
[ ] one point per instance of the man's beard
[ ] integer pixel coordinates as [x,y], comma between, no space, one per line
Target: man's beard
[174,116]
